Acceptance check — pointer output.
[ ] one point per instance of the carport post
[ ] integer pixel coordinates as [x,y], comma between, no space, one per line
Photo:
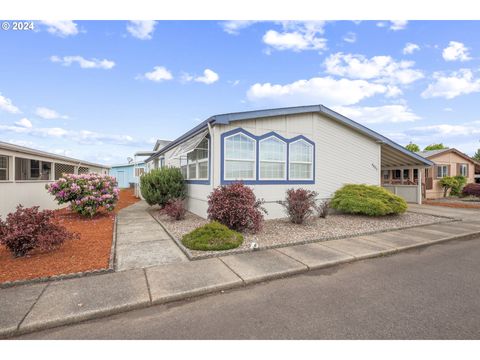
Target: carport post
[419,186]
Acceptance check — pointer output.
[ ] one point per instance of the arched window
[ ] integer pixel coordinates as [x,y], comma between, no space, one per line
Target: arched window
[301,160]
[273,159]
[240,153]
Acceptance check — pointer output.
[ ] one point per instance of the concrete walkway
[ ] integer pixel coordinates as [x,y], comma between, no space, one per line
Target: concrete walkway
[142,242]
[28,308]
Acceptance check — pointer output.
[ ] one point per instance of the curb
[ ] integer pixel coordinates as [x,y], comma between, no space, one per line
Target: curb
[215,289]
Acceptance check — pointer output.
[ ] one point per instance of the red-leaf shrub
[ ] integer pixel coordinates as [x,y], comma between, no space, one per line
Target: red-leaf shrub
[27,229]
[175,209]
[236,207]
[299,204]
[471,190]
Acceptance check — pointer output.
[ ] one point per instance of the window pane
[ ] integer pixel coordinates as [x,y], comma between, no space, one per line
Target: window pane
[34,168]
[3,167]
[240,147]
[192,171]
[301,151]
[3,174]
[300,171]
[239,169]
[272,170]
[273,149]
[203,170]
[46,170]
[183,170]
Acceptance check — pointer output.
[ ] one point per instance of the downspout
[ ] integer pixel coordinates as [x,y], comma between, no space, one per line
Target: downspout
[212,171]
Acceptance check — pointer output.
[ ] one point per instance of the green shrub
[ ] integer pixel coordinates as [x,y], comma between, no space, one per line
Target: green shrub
[447,183]
[367,200]
[212,236]
[457,190]
[159,186]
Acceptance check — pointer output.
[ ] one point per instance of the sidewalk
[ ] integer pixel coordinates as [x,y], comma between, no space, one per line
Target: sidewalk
[39,306]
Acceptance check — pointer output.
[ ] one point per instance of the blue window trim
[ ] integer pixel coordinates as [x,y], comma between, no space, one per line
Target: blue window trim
[207,181]
[257,139]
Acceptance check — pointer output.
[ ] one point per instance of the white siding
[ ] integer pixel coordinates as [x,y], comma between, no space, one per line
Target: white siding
[341,155]
[33,192]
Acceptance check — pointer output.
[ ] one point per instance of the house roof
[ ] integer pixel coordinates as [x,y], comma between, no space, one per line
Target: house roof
[159,144]
[129,164]
[25,150]
[433,153]
[259,114]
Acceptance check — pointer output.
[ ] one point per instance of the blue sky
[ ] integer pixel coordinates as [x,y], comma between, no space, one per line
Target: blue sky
[101,90]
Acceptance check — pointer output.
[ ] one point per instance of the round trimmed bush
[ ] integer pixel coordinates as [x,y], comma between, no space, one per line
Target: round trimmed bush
[159,186]
[211,237]
[367,200]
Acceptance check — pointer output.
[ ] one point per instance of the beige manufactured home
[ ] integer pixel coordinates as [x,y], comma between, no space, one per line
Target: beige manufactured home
[24,172]
[276,149]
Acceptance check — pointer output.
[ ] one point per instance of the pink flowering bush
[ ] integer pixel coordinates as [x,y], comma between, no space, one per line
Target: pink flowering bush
[86,193]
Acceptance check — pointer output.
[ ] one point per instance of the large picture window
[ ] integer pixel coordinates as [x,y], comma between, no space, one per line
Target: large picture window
[273,159]
[240,153]
[4,167]
[197,162]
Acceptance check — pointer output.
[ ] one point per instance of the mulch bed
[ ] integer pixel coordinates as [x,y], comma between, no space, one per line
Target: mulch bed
[281,232]
[451,204]
[90,252]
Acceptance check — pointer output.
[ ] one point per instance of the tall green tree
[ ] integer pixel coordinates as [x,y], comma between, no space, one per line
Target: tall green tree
[439,146]
[476,156]
[412,147]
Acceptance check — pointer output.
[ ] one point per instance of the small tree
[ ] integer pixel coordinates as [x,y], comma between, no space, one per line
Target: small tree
[159,186]
[412,147]
[448,183]
[439,146]
[476,156]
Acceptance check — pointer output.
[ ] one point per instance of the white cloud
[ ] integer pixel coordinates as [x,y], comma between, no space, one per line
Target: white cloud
[456,51]
[297,36]
[83,63]
[448,109]
[24,122]
[378,114]
[393,24]
[398,24]
[233,27]
[82,137]
[350,37]
[316,90]
[49,114]
[381,68]
[209,77]
[7,105]
[159,73]
[458,83]
[448,130]
[141,29]
[62,28]
[410,48]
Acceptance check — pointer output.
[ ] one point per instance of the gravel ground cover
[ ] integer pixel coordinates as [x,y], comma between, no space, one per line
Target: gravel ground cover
[281,232]
[90,252]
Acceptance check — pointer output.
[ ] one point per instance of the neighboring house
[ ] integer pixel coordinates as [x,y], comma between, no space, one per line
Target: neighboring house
[277,149]
[448,162]
[24,173]
[127,174]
